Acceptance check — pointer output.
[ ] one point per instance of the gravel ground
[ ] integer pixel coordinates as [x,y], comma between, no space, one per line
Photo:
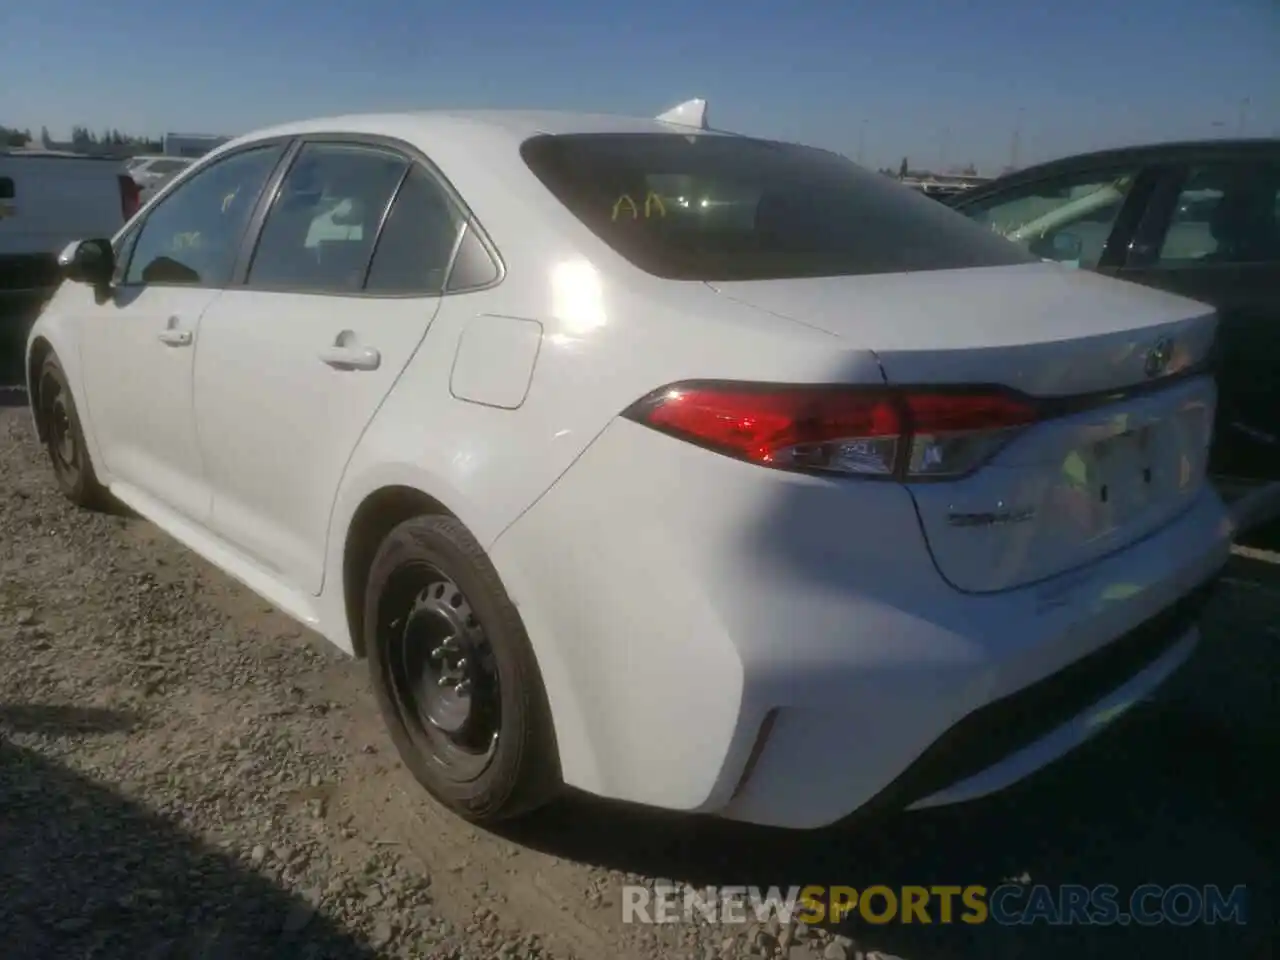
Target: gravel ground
[186,773]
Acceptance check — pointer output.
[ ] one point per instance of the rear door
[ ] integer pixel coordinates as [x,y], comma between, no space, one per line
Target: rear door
[295,360]
[1212,233]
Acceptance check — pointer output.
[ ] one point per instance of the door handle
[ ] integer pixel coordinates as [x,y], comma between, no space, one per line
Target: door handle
[351,358]
[176,338]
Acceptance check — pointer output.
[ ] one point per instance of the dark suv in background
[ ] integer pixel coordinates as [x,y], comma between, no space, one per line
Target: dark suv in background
[1197,219]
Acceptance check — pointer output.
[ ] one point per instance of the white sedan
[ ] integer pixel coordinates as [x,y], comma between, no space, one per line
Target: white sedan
[691,469]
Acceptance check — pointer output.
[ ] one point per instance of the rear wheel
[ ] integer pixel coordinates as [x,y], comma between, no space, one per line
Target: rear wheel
[64,438]
[454,673]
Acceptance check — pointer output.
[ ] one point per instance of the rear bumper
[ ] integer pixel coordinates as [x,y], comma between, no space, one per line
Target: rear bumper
[1006,740]
[780,649]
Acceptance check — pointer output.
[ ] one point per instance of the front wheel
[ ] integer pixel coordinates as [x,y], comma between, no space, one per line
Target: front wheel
[64,438]
[455,675]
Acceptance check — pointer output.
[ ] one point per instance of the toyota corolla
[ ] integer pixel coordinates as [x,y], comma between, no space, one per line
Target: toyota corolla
[703,471]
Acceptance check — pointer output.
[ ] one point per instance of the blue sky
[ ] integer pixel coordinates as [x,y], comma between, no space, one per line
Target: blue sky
[941,81]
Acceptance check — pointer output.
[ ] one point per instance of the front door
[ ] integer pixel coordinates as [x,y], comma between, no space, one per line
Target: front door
[1078,219]
[1213,234]
[294,363]
[138,345]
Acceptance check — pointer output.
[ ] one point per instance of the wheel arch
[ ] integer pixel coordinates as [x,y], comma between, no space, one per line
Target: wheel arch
[380,512]
[397,495]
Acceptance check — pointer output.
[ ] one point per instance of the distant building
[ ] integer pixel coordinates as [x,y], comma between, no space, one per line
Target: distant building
[191,144]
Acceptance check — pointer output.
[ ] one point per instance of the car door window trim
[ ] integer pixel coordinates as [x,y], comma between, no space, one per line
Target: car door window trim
[1144,247]
[266,200]
[382,224]
[415,158]
[1147,178]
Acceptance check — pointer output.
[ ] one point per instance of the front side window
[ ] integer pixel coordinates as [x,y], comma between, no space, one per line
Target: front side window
[193,235]
[319,235]
[1067,219]
[710,207]
[1225,213]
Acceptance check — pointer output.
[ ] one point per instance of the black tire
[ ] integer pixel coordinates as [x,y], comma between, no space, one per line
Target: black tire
[64,438]
[436,615]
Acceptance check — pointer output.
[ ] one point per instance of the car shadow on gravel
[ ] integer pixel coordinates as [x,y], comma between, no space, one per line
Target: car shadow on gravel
[85,872]
[58,720]
[1180,793]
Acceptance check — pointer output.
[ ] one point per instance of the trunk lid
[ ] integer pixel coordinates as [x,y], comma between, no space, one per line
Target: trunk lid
[1125,449]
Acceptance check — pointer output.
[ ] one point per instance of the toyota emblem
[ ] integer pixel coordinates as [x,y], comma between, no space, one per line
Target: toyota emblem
[1158,357]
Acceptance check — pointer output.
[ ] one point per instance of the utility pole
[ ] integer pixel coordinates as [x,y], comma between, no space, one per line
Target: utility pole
[1244,116]
[1015,142]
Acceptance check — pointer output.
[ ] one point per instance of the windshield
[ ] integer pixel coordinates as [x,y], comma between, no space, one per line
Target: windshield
[707,207]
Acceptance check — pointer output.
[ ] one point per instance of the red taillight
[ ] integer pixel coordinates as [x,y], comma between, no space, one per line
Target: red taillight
[130,196]
[916,434]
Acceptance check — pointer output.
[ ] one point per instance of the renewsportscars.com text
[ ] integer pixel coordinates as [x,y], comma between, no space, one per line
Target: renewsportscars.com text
[1010,904]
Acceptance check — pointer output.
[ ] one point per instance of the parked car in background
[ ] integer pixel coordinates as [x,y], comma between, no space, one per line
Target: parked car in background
[945,192]
[1198,219]
[647,496]
[152,171]
[48,198]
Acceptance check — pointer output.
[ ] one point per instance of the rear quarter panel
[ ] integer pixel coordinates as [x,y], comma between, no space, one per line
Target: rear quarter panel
[611,334]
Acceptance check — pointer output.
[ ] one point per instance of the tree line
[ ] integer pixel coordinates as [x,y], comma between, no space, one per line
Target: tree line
[81,138]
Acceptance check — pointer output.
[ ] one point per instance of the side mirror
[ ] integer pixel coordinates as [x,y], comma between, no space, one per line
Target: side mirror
[89,261]
[1066,246]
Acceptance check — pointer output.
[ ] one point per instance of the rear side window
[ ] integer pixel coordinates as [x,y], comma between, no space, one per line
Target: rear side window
[709,207]
[320,232]
[413,251]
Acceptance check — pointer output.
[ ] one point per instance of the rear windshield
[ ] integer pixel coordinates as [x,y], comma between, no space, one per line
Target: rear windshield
[707,207]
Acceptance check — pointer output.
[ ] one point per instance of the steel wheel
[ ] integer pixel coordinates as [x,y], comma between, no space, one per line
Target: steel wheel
[455,675]
[63,438]
[440,670]
[63,447]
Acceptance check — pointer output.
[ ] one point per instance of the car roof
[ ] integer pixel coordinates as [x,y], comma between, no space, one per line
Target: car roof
[496,190]
[1179,151]
[431,125]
